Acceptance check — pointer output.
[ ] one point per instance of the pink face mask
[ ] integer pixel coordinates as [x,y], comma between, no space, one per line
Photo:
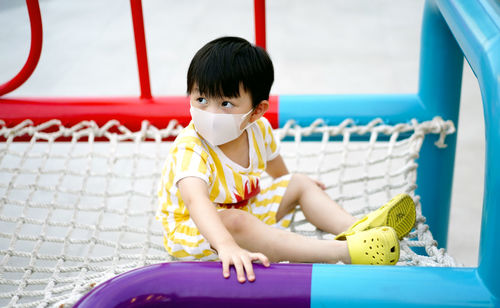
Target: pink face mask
[218,128]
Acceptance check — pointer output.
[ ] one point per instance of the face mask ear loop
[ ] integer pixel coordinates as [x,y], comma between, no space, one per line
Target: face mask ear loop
[246,115]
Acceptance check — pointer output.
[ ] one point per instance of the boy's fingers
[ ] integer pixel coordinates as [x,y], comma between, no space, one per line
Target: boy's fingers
[262,258]
[247,263]
[225,268]
[239,270]
[321,185]
[243,265]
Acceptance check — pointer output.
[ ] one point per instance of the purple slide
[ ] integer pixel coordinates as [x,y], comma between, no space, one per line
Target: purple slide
[201,284]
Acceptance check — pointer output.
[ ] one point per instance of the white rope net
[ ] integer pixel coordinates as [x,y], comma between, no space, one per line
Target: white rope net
[76,213]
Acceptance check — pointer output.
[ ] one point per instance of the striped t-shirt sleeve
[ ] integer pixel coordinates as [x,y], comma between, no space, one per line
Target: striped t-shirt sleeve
[271,141]
[190,161]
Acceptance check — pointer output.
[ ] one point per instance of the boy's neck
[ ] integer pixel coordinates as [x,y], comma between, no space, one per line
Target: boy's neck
[237,150]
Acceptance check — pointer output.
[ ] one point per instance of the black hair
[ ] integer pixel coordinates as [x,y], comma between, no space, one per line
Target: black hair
[220,66]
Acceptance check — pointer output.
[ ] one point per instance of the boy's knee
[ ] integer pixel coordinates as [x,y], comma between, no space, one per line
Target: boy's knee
[298,186]
[300,180]
[300,177]
[236,221]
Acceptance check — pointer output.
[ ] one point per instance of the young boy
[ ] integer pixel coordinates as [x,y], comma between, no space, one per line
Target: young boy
[212,204]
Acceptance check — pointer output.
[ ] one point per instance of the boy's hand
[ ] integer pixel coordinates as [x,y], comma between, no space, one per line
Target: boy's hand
[242,261]
[319,184]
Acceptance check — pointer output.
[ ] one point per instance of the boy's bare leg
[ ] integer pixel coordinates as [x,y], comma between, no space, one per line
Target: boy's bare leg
[319,209]
[279,245]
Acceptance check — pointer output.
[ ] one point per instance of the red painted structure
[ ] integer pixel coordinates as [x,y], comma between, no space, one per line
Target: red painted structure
[35,49]
[260,23]
[140,47]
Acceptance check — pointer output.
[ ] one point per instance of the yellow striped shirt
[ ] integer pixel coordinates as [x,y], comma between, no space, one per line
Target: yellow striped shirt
[228,182]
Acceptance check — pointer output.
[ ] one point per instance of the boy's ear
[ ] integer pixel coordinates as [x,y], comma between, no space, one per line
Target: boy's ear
[259,111]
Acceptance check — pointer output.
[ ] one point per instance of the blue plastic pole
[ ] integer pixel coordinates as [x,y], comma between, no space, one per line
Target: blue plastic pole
[441,64]
[476,25]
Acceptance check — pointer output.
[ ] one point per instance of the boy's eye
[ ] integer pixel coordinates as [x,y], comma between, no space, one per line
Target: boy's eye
[201,100]
[227,104]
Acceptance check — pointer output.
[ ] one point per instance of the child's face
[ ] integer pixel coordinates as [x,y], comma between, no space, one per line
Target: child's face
[232,105]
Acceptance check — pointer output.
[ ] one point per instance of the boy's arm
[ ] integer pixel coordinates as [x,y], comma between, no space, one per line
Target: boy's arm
[276,167]
[194,193]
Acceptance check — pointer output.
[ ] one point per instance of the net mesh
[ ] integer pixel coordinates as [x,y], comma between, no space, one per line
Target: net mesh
[76,213]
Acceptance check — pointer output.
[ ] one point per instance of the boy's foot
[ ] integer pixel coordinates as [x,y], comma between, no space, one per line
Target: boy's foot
[399,213]
[377,246]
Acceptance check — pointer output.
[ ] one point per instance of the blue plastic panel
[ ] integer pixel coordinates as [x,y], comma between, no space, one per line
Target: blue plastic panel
[394,286]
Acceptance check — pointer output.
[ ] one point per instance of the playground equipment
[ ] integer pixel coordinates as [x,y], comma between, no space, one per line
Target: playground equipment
[411,127]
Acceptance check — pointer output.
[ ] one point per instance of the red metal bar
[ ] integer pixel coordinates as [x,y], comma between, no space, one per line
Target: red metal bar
[140,47]
[130,111]
[260,23]
[35,49]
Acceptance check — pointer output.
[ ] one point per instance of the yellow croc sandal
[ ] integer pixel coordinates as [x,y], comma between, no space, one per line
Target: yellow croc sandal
[377,246]
[399,214]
